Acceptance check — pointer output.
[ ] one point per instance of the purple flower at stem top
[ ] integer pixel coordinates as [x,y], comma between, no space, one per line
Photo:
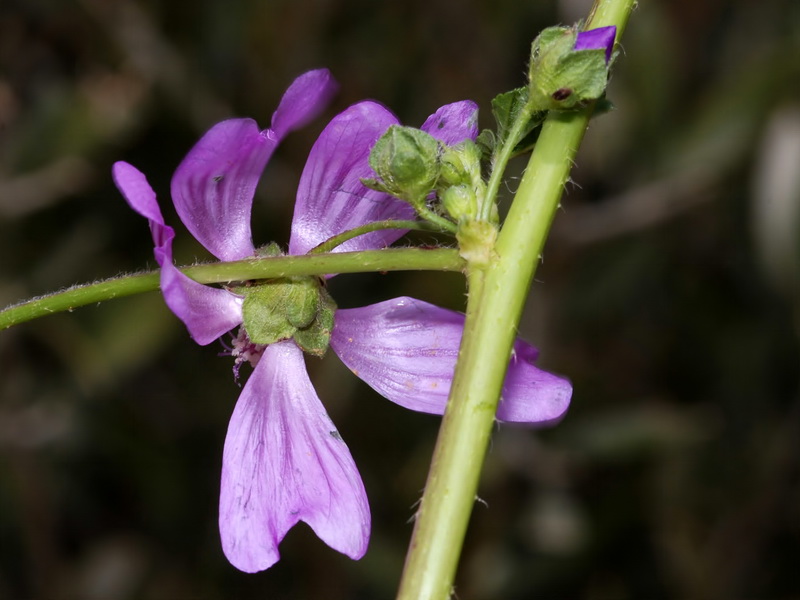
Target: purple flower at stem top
[283,459]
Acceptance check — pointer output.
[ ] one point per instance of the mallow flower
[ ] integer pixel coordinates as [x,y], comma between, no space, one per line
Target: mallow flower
[283,459]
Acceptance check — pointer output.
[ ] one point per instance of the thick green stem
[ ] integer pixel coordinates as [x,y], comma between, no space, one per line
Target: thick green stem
[489,331]
[392,259]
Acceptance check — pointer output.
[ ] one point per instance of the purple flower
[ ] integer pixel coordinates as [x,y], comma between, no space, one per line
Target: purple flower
[283,460]
[597,39]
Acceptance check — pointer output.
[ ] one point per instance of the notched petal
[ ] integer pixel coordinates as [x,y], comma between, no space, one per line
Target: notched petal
[285,462]
[406,350]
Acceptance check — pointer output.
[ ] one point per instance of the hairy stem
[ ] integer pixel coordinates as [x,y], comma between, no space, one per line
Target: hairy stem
[391,259]
[492,318]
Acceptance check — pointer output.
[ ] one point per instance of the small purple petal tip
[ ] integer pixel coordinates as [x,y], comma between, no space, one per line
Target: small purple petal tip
[601,38]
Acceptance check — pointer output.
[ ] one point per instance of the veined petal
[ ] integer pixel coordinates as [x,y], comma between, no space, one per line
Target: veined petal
[285,462]
[406,350]
[213,187]
[331,198]
[308,96]
[453,123]
[207,312]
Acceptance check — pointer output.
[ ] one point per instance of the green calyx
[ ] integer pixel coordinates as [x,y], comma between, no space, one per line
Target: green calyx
[297,308]
[561,77]
[407,162]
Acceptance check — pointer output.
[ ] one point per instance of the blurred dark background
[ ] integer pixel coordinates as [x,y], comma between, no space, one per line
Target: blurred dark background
[668,293]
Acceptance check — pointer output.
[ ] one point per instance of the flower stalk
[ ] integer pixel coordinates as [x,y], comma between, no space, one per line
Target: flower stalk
[390,259]
[493,312]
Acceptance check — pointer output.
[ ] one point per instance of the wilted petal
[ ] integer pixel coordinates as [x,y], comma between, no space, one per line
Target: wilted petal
[207,312]
[285,462]
[331,198]
[601,38]
[308,95]
[406,350]
[213,187]
[453,123]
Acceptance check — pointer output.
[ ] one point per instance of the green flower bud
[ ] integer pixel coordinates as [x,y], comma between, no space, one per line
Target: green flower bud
[460,202]
[407,162]
[563,77]
[460,163]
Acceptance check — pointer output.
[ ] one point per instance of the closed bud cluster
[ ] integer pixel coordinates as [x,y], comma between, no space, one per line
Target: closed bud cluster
[297,308]
[406,161]
[461,185]
[568,68]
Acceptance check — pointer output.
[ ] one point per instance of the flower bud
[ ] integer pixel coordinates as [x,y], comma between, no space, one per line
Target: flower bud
[407,162]
[460,163]
[460,202]
[569,68]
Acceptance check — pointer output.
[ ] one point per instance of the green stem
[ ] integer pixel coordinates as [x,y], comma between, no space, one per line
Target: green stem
[441,222]
[391,259]
[501,161]
[489,332]
[340,239]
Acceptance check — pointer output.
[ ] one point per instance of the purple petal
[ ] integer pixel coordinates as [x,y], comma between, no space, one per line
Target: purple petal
[406,350]
[308,96]
[331,198]
[601,38]
[453,123]
[213,187]
[207,312]
[285,462]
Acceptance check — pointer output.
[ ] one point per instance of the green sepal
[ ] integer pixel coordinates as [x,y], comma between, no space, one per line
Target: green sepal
[302,302]
[275,310]
[271,250]
[263,312]
[316,338]
[549,36]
